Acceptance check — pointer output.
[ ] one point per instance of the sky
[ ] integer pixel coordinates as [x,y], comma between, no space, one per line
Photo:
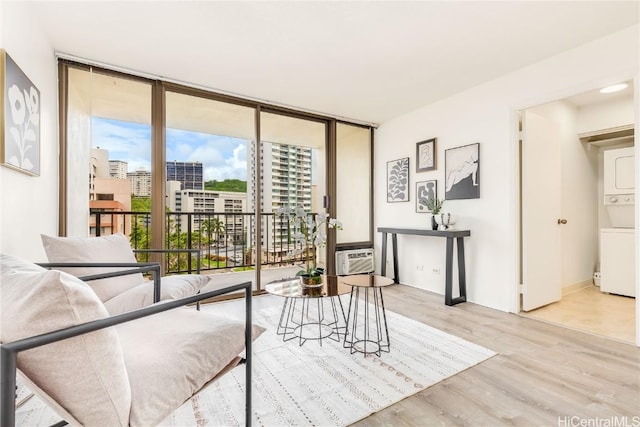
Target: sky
[222,157]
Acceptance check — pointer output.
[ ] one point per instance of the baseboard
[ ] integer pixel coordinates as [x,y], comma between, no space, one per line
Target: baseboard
[576,287]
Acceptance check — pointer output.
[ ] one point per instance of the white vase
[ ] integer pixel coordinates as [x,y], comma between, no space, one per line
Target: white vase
[445,220]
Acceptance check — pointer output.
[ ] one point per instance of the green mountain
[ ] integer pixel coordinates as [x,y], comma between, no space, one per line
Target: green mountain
[235,185]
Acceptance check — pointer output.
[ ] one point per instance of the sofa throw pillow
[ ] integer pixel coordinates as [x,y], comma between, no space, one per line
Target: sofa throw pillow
[112,248]
[85,375]
[171,287]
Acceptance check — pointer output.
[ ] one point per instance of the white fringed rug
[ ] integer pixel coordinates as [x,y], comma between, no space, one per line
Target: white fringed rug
[320,385]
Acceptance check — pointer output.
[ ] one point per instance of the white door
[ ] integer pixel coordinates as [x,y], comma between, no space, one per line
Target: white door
[541,211]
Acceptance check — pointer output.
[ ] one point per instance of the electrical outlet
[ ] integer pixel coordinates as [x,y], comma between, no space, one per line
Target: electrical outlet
[436,271]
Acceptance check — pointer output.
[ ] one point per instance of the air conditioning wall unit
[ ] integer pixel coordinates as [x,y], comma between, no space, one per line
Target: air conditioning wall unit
[357,261]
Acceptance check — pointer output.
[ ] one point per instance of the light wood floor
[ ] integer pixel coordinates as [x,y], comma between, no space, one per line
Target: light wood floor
[543,374]
[593,311]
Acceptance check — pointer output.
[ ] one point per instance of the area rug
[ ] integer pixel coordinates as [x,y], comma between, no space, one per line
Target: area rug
[321,385]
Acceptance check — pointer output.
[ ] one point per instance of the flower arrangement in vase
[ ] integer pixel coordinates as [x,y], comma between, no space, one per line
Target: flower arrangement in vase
[435,206]
[308,231]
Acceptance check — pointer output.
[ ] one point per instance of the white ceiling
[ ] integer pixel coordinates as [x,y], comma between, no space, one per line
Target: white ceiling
[367,61]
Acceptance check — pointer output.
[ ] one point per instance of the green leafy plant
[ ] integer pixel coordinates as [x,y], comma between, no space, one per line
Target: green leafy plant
[308,231]
[434,205]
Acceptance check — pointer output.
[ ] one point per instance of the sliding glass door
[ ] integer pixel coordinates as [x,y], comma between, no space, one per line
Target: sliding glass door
[293,173]
[208,147]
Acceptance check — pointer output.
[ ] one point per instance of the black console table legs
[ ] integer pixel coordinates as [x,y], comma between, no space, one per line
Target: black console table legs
[457,235]
[462,280]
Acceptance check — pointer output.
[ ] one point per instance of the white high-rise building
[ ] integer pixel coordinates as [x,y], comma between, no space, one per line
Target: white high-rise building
[140,183]
[118,169]
[286,181]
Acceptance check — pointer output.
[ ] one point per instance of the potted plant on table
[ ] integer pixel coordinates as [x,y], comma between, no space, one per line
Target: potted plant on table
[434,205]
[308,232]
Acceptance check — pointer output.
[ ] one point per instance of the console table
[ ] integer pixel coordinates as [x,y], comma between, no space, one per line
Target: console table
[450,235]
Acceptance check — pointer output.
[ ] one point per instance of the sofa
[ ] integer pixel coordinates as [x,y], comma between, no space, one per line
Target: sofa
[95,368]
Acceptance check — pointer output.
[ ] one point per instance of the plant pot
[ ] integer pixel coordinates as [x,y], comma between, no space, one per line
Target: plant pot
[434,224]
[310,281]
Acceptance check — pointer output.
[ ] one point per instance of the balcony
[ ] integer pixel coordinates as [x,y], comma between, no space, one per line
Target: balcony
[225,240]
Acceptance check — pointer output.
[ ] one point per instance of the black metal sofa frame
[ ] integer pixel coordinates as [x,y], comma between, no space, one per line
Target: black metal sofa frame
[9,351]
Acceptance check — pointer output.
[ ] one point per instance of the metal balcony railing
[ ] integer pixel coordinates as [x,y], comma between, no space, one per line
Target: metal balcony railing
[225,239]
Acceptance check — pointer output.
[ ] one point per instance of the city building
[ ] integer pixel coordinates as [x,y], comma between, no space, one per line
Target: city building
[202,208]
[107,195]
[140,183]
[189,174]
[290,184]
[118,169]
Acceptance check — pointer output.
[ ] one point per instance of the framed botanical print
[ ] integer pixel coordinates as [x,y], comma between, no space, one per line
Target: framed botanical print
[20,110]
[398,180]
[426,155]
[425,190]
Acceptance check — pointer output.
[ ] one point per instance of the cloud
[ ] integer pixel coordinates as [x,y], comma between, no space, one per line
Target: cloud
[223,157]
[126,141]
[232,167]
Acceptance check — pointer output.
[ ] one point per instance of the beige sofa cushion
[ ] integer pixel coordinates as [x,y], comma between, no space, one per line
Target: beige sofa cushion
[170,363]
[112,248]
[86,375]
[171,287]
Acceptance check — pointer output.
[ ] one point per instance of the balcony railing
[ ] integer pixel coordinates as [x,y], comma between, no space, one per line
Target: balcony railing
[225,240]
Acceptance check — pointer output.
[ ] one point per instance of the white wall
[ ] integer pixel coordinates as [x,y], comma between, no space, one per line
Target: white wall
[487,114]
[606,115]
[29,205]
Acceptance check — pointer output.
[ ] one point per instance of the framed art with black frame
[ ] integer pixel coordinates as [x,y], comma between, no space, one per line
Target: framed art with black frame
[425,190]
[20,111]
[398,180]
[462,172]
[426,155]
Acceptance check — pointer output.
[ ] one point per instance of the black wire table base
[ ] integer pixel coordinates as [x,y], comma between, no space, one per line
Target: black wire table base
[308,319]
[367,332]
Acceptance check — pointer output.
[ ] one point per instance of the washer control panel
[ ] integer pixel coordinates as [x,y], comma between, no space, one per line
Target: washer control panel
[619,199]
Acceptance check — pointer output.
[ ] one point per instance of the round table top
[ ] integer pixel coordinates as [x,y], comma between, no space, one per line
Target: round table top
[332,286]
[367,281]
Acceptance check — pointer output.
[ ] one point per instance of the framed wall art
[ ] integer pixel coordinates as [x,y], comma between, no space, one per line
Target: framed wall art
[425,190]
[462,172]
[398,180]
[20,110]
[426,155]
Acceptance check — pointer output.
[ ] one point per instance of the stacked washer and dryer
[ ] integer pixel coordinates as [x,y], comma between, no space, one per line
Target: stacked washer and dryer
[617,244]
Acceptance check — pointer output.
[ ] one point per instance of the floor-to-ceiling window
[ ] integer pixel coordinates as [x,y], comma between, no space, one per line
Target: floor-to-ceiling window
[294,175]
[108,152]
[354,188]
[189,168]
[208,147]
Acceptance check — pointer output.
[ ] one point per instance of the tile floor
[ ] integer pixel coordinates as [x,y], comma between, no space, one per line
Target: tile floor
[590,310]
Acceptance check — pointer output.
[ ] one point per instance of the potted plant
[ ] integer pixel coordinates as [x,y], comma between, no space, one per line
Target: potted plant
[435,206]
[308,231]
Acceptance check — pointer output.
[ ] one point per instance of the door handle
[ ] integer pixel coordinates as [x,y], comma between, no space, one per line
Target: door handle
[562,221]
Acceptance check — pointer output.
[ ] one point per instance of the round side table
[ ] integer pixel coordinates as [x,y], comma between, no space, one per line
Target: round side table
[305,315]
[367,330]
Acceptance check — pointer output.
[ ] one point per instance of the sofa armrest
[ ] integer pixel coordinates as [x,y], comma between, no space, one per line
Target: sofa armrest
[9,351]
[137,267]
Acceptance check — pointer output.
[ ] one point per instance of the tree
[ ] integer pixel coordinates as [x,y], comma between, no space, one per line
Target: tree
[213,226]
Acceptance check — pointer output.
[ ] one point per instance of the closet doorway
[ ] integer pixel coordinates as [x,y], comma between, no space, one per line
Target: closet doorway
[562,195]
